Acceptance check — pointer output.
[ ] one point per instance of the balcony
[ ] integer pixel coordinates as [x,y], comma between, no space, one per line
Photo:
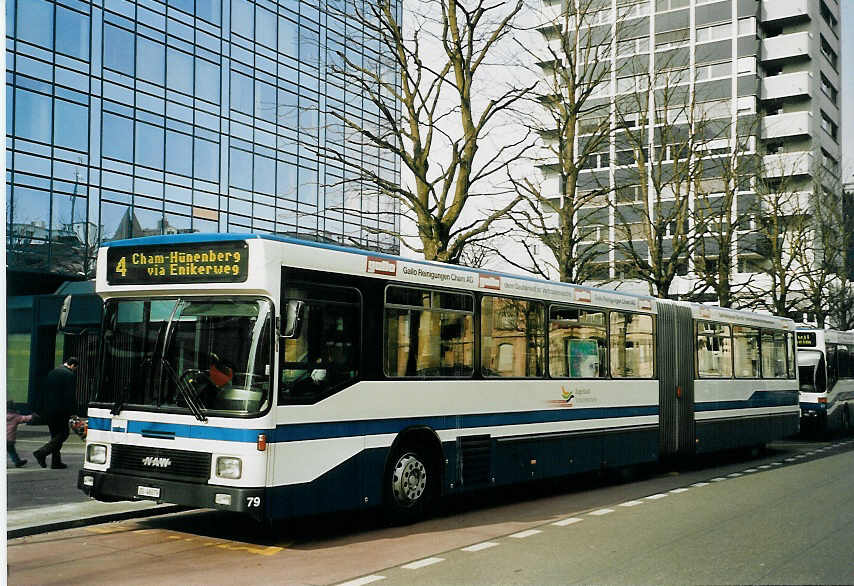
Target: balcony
[786,85]
[785,9]
[786,46]
[791,124]
[788,164]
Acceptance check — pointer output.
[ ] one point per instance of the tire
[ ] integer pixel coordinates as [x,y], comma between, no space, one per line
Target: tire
[845,423]
[409,485]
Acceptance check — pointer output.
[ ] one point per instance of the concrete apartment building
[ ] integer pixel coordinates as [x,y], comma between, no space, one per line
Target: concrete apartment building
[774,64]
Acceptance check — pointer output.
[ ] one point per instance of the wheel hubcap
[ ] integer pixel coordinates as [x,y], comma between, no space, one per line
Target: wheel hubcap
[409,479]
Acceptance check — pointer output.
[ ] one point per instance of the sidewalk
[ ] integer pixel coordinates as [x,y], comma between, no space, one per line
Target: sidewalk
[43,499]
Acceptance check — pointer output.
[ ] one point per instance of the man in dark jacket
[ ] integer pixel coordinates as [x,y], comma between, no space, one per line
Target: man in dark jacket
[60,389]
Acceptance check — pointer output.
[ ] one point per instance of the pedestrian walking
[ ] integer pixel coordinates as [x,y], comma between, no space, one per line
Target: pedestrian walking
[59,396]
[13,420]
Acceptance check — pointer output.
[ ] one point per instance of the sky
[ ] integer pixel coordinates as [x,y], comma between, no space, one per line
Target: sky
[847,21]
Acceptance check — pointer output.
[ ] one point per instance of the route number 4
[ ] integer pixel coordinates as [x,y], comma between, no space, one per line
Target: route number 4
[253,501]
[122,266]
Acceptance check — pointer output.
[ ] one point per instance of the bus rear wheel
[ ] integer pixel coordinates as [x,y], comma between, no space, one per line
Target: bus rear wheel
[409,485]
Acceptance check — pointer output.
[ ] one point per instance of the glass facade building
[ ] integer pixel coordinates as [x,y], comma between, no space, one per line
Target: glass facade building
[133,118]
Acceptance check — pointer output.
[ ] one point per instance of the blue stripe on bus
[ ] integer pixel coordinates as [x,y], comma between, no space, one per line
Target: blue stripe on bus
[757,399]
[339,429]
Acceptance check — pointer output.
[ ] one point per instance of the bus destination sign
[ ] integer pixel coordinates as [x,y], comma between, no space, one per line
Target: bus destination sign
[806,339]
[211,262]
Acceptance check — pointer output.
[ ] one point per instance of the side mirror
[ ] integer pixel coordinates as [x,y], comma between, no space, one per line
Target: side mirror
[293,318]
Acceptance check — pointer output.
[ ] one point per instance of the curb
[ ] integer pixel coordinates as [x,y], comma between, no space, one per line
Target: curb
[95,520]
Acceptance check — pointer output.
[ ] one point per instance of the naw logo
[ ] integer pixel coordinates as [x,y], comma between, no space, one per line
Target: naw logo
[157,462]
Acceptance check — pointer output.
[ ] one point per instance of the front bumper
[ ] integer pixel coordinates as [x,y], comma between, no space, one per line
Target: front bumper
[105,486]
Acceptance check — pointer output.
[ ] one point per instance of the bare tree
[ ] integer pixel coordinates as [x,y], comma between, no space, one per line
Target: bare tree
[840,302]
[718,217]
[570,113]
[663,132]
[436,105]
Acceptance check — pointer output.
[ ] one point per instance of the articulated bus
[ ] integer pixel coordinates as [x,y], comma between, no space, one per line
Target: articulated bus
[278,378]
[826,363]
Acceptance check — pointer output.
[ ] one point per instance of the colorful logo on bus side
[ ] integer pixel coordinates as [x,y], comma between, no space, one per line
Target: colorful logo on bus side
[568,397]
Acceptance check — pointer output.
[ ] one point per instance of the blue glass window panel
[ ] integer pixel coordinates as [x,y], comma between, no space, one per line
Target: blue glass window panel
[207,81]
[205,159]
[265,175]
[149,145]
[265,101]
[185,5]
[179,71]
[209,10]
[288,37]
[30,207]
[287,112]
[286,180]
[115,221]
[117,137]
[72,33]
[35,22]
[307,190]
[241,93]
[118,49]
[179,153]
[176,224]
[309,47]
[150,60]
[10,107]
[265,27]
[71,125]
[10,18]
[242,18]
[240,169]
[149,221]
[200,225]
[32,115]
[34,68]
[69,216]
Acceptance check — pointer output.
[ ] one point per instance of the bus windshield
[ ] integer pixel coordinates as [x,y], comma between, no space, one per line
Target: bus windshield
[198,354]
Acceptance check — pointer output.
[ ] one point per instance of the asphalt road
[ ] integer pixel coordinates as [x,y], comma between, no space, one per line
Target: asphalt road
[786,517]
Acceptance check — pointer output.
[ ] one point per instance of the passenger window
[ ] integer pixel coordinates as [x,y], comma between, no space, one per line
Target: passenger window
[714,350]
[773,354]
[322,355]
[632,342]
[577,343]
[512,340]
[745,343]
[428,333]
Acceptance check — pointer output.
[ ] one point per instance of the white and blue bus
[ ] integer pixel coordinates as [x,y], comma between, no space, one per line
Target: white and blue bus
[826,363]
[280,378]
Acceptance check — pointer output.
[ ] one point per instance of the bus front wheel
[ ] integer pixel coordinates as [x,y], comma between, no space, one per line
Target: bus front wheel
[409,485]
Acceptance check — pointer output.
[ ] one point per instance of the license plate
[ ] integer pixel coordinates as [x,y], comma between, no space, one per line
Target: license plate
[148,491]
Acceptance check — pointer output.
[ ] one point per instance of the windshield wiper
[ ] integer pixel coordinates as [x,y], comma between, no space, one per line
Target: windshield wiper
[186,391]
[120,402]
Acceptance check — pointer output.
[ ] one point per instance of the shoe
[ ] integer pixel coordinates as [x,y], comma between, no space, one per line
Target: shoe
[20,463]
[59,466]
[41,459]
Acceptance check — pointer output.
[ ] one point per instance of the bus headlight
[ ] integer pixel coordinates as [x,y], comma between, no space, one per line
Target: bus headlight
[96,453]
[228,467]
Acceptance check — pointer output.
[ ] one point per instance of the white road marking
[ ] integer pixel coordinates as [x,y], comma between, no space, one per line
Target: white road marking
[524,534]
[631,503]
[480,546]
[700,484]
[678,490]
[790,460]
[363,580]
[422,563]
[749,470]
[734,475]
[718,479]
[569,521]
[765,467]
[601,512]
[655,497]
[776,463]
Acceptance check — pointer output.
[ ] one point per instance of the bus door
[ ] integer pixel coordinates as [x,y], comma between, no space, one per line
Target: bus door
[675,336]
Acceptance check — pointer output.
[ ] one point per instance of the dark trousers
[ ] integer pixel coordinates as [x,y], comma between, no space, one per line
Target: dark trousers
[58,427]
[12,452]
